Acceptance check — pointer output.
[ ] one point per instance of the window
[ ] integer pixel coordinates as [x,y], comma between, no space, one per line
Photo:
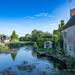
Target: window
[65,46]
[65,33]
[70,47]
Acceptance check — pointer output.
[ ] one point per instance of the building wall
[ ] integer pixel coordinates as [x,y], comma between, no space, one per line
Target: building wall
[69,40]
[6,41]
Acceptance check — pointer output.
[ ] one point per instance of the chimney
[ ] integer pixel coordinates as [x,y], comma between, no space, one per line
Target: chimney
[59,25]
[72,12]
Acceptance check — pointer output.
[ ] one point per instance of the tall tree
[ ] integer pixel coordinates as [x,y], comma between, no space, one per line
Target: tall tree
[34,35]
[14,36]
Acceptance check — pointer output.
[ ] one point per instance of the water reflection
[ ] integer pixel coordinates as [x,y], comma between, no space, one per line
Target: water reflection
[26,67]
[34,53]
[58,65]
[28,62]
[13,55]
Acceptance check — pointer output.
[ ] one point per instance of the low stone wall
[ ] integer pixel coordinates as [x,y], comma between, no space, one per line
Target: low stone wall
[3,44]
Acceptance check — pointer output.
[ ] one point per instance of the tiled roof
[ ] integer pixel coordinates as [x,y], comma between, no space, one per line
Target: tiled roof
[70,22]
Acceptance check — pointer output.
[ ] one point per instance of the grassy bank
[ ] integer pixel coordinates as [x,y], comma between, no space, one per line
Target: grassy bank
[43,49]
[2,48]
[14,44]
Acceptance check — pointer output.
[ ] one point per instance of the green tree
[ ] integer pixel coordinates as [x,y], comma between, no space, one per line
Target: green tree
[47,35]
[14,36]
[62,23]
[34,35]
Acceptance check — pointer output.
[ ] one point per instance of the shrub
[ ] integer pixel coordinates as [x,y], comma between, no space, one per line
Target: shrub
[40,42]
[2,48]
[14,44]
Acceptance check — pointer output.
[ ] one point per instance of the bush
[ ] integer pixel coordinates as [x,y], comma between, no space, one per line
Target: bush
[14,44]
[40,42]
[2,48]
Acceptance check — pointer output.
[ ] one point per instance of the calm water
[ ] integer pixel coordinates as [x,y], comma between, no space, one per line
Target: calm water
[25,61]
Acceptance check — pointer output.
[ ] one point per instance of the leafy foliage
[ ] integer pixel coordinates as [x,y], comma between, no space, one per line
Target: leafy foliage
[14,36]
[27,37]
[14,44]
[36,36]
[40,41]
[57,37]
[2,48]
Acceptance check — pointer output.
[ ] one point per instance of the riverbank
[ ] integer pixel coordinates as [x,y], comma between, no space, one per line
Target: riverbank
[14,44]
[67,61]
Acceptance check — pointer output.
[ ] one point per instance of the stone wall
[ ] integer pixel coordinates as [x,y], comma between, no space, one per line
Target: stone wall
[3,44]
[70,40]
[6,41]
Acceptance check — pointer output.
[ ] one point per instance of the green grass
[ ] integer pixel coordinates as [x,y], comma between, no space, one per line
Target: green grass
[43,49]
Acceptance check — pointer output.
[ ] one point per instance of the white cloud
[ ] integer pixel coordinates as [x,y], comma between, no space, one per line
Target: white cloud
[38,15]
[31,17]
[52,16]
[45,15]
[42,13]
[49,15]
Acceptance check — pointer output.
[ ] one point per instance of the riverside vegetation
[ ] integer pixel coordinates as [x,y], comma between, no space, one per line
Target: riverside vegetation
[13,43]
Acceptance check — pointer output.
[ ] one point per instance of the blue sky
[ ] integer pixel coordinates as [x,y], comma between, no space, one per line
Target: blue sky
[25,15]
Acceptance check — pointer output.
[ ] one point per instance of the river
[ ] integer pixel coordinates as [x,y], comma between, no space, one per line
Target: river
[25,61]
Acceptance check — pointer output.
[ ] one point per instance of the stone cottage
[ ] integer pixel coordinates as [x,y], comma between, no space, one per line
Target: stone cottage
[68,34]
[4,39]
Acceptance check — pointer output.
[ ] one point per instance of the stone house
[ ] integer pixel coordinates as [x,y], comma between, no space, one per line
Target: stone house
[68,34]
[4,39]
